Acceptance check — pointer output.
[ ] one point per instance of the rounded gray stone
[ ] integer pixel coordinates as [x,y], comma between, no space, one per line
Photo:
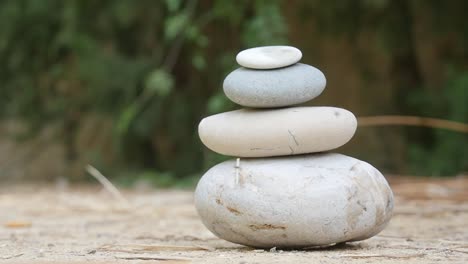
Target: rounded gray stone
[277,132]
[294,202]
[288,86]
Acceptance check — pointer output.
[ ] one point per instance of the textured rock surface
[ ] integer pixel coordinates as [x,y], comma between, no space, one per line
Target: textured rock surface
[277,132]
[288,86]
[294,202]
[269,57]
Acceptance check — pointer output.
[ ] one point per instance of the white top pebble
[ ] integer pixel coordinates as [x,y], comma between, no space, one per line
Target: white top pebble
[269,57]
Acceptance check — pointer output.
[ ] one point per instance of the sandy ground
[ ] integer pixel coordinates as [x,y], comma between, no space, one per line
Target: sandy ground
[85,224]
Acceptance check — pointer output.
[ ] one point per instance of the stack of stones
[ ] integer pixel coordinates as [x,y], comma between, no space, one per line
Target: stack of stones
[283,190]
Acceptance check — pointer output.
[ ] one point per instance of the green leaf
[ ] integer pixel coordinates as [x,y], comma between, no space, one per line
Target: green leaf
[173,5]
[125,119]
[174,25]
[218,103]
[199,62]
[159,82]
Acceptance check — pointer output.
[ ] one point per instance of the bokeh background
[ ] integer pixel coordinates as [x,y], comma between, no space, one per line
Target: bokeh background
[123,84]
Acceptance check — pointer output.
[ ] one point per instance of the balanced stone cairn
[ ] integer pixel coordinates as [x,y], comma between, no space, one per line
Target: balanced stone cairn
[270,195]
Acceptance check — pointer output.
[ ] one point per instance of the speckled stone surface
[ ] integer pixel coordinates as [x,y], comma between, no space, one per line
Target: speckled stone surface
[277,132]
[294,202]
[269,57]
[288,86]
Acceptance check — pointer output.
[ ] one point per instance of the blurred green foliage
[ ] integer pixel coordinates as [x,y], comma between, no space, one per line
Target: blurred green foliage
[155,68]
[430,152]
[445,152]
[130,60]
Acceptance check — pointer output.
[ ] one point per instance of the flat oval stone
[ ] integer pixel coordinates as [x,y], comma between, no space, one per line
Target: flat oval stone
[277,132]
[268,57]
[294,202]
[288,86]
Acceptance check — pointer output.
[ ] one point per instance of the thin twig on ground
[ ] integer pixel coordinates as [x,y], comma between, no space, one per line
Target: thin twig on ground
[139,247]
[107,185]
[151,257]
[13,256]
[384,256]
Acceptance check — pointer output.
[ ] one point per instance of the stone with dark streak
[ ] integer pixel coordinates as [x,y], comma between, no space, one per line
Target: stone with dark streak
[277,132]
[294,202]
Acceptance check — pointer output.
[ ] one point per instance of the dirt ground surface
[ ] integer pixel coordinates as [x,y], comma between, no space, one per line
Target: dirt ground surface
[86,224]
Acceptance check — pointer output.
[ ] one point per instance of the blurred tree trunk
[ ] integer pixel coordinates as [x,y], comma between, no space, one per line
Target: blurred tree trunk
[404,71]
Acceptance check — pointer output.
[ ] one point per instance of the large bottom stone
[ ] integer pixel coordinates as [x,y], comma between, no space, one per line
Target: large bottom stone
[294,202]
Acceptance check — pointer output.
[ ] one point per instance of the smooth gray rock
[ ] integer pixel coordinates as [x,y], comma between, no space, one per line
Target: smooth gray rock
[294,202]
[288,86]
[277,132]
